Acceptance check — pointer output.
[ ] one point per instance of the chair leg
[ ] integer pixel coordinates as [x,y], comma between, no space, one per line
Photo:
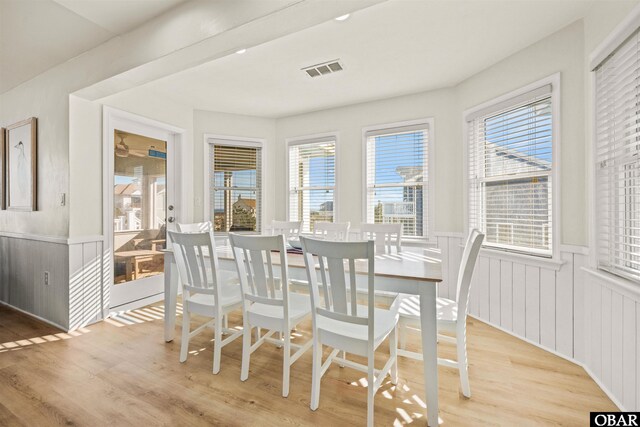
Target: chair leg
[184,345]
[217,347]
[286,365]
[258,333]
[246,351]
[344,356]
[370,391]
[402,331]
[393,353]
[280,336]
[315,375]
[463,366]
[226,321]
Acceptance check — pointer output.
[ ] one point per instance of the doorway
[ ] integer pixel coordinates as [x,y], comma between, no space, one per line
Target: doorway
[139,207]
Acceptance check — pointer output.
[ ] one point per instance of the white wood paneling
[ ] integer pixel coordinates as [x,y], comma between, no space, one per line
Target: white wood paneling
[494,291]
[532,277]
[616,343]
[629,342]
[69,299]
[579,302]
[506,295]
[519,299]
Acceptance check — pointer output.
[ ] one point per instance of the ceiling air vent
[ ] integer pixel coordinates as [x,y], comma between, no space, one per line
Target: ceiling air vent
[324,68]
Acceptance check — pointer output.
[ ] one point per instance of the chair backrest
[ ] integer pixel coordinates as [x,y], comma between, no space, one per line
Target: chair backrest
[200,227]
[289,229]
[253,256]
[384,236]
[198,273]
[338,231]
[339,295]
[196,227]
[465,273]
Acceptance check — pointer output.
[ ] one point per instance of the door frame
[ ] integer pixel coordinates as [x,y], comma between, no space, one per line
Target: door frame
[113,119]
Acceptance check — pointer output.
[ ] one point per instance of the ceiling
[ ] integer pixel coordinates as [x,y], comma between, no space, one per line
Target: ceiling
[393,48]
[36,35]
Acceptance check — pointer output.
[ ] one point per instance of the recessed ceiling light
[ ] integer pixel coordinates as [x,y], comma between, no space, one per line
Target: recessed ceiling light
[241,51]
[343,17]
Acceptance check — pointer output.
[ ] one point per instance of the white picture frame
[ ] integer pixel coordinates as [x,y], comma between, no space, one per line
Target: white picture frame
[20,153]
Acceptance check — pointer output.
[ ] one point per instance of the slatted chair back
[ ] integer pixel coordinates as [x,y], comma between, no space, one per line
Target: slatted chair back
[384,235]
[197,270]
[253,256]
[339,292]
[200,227]
[465,273]
[337,231]
[289,229]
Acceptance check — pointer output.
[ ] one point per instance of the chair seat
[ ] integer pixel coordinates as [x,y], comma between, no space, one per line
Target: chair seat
[332,331]
[204,304]
[447,310]
[299,307]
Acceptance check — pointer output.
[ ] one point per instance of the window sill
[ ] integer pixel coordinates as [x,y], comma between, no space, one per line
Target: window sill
[618,284]
[532,260]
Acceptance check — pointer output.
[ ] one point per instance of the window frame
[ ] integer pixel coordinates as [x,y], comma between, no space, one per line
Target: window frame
[615,40]
[498,104]
[232,141]
[310,139]
[428,215]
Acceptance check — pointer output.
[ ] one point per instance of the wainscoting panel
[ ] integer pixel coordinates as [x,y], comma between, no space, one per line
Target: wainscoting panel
[612,337]
[24,262]
[73,297]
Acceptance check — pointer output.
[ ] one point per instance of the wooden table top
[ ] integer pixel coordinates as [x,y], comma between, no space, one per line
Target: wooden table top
[421,264]
[138,252]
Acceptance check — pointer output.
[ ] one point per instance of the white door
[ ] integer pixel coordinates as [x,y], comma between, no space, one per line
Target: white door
[141,206]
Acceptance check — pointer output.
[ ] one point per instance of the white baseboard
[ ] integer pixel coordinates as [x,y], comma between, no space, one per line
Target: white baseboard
[48,322]
[138,303]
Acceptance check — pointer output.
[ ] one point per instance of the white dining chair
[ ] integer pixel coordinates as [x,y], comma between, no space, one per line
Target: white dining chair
[452,315]
[289,229]
[337,231]
[203,291]
[384,235]
[340,322]
[224,275]
[263,304]
[195,227]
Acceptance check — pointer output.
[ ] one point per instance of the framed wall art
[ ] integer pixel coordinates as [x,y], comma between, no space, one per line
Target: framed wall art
[2,168]
[20,156]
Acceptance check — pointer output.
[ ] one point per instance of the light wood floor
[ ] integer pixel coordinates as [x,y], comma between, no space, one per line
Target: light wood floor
[121,372]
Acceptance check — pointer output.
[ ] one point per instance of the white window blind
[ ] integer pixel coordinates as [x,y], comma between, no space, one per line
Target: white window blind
[510,173]
[397,176]
[312,173]
[617,160]
[235,187]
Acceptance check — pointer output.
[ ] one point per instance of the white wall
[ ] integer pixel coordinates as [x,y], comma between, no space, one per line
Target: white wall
[223,124]
[349,121]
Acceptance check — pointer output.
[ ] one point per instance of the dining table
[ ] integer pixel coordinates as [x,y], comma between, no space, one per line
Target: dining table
[415,271]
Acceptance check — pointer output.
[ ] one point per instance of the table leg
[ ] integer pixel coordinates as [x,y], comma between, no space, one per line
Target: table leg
[429,331]
[128,270]
[170,296]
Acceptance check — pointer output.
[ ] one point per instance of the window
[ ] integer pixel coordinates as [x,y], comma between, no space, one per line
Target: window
[312,180]
[510,162]
[235,185]
[617,156]
[397,176]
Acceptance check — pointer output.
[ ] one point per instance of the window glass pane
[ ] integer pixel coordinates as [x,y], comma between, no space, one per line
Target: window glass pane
[235,188]
[518,213]
[399,205]
[312,182]
[510,188]
[396,179]
[311,206]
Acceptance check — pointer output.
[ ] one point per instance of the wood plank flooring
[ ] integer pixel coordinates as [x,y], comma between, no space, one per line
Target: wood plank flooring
[120,372]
